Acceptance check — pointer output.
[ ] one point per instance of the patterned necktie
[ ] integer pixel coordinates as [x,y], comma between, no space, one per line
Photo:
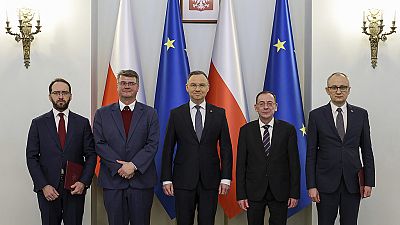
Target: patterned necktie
[266,140]
[198,123]
[340,123]
[61,130]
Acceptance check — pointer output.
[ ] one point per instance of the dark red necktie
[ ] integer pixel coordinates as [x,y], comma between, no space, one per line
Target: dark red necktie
[127,117]
[61,130]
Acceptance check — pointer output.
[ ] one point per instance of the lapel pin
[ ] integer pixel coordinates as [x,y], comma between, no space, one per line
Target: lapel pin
[211,111]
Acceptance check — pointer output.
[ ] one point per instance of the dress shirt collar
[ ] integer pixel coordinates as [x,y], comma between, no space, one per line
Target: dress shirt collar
[56,112]
[334,108]
[131,106]
[271,123]
[202,105]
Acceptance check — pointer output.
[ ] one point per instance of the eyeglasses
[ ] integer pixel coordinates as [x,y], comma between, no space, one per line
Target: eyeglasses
[269,104]
[201,86]
[124,83]
[342,88]
[62,93]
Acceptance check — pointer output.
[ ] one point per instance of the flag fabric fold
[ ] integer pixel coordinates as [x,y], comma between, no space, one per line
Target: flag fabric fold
[125,55]
[282,79]
[227,90]
[170,91]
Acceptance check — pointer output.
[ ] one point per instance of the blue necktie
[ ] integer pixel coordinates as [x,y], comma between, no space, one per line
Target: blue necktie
[266,140]
[198,123]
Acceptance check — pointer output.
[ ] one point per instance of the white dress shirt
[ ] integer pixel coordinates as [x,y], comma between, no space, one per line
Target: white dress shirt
[57,118]
[131,106]
[335,113]
[270,129]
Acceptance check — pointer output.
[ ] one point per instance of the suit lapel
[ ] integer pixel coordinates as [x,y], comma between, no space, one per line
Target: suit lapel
[137,114]
[117,117]
[209,119]
[188,120]
[50,122]
[255,128]
[70,129]
[351,117]
[276,134]
[329,117]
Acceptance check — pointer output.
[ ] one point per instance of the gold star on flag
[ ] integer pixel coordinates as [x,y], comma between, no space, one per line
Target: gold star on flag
[169,44]
[279,45]
[303,130]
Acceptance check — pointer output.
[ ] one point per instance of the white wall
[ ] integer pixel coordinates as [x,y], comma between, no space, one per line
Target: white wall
[254,23]
[339,45]
[61,49]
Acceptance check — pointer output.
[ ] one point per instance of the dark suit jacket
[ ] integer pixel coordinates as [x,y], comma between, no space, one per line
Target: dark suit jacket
[196,160]
[44,155]
[328,158]
[139,148]
[280,170]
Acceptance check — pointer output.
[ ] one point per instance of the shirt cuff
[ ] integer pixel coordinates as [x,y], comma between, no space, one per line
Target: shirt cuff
[166,182]
[226,181]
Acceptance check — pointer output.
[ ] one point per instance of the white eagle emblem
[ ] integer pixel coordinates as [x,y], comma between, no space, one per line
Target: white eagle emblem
[201,4]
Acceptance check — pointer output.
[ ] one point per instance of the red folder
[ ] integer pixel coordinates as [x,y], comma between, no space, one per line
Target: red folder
[72,174]
[361,180]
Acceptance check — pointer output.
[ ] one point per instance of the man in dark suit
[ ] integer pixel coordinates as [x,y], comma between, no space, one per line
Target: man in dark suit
[336,133]
[197,174]
[268,166]
[126,136]
[54,138]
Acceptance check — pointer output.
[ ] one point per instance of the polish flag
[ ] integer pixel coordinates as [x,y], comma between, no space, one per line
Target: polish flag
[227,90]
[124,56]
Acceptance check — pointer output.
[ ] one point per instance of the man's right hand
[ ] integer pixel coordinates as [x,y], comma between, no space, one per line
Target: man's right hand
[244,204]
[314,195]
[50,193]
[168,189]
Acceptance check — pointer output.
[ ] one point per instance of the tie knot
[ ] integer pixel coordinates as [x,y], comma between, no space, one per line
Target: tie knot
[339,110]
[126,108]
[265,127]
[61,115]
[197,107]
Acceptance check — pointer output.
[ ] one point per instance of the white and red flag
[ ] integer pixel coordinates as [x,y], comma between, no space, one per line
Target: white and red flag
[124,56]
[227,90]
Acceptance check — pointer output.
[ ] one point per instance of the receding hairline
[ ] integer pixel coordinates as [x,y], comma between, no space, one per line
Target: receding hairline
[337,74]
[195,73]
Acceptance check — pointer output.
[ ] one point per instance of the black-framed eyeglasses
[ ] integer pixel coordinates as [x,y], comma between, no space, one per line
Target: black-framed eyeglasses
[269,104]
[342,88]
[63,93]
[201,85]
[124,83]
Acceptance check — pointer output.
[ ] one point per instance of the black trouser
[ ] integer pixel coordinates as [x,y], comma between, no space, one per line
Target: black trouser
[67,208]
[186,201]
[347,203]
[277,210]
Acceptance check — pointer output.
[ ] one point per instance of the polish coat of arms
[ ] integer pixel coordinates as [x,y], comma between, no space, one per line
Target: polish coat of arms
[201,5]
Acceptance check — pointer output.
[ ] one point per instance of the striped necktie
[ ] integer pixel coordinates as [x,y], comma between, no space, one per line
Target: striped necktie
[266,140]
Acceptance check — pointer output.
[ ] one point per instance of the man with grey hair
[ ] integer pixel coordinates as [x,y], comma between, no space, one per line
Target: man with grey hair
[336,133]
[126,136]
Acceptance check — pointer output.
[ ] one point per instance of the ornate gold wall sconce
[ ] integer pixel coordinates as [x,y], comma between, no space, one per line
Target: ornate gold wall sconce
[373,27]
[25,31]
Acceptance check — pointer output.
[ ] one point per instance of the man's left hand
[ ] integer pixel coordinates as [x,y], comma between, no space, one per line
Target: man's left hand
[292,203]
[367,192]
[77,188]
[127,169]
[223,189]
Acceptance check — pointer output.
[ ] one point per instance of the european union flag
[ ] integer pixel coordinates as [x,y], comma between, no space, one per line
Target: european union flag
[282,79]
[170,91]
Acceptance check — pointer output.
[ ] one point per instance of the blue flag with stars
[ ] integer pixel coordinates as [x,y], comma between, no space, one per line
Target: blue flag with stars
[282,79]
[171,90]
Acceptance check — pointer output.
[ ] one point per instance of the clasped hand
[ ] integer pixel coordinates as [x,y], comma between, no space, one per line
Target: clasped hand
[127,169]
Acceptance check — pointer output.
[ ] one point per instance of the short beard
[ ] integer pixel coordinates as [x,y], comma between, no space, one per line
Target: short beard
[60,108]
